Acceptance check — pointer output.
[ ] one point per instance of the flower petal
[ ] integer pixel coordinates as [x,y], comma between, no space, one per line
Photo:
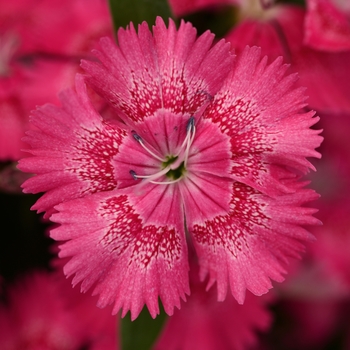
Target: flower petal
[170,70]
[205,196]
[129,263]
[251,243]
[258,122]
[210,151]
[73,151]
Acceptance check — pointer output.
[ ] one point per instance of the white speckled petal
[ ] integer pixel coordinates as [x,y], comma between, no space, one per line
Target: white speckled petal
[171,69]
[128,263]
[260,110]
[72,149]
[251,244]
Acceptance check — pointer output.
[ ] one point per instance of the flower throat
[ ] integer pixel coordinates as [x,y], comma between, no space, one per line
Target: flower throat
[173,166]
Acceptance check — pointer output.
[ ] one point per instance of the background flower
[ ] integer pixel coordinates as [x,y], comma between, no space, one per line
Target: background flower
[327,25]
[41,44]
[44,312]
[207,324]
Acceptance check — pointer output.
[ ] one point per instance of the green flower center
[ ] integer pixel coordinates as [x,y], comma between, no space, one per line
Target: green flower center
[174,174]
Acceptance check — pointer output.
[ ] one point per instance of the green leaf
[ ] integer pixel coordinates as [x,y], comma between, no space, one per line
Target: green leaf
[136,11]
[141,333]
[219,20]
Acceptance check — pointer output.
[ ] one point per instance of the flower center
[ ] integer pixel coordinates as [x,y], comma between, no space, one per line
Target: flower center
[173,166]
[174,174]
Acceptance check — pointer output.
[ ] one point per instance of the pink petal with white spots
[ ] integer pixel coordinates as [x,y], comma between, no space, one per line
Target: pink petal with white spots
[205,196]
[207,188]
[152,203]
[129,263]
[172,70]
[73,150]
[251,244]
[256,107]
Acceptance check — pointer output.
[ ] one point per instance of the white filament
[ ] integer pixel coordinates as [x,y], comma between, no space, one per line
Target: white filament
[181,157]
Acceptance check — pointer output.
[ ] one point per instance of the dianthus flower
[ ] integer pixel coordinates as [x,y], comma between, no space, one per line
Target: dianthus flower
[43,312]
[204,146]
[40,57]
[206,324]
[284,31]
[327,25]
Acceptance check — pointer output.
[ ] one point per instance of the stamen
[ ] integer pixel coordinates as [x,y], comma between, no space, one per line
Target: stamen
[177,163]
[190,128]
[133,174]
[166,182]
[138,138]
[191,131]
[206,94]
[149,178]
[190,124]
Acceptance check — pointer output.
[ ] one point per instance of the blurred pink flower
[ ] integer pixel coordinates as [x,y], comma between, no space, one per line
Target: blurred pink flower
[66,27]
[333,176]
[43,312]
[203,323]
[312,323]
[279,31]
[332,247]
[316,295]
[327,25]
[185,7]
[202,143]
[41,43]
[13,124]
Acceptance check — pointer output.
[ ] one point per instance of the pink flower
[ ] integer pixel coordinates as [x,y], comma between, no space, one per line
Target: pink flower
[313,323]
[279,31]
[327,25]
[43,312]
[205,324]
[333,244]
[203,145]
[41,43]
[184,7]
[63,27]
